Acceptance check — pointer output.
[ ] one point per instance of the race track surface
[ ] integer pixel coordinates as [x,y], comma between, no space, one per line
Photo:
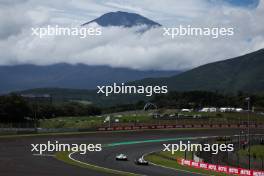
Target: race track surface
[16,157]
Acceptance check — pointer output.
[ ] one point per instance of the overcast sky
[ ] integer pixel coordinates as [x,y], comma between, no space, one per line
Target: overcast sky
[123,47]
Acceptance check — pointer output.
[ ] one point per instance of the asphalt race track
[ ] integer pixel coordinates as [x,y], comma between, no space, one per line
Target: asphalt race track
[16,157]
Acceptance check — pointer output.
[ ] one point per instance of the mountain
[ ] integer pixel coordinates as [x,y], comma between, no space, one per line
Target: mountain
[123,19]
[60,95]
[20,77]
[244,73]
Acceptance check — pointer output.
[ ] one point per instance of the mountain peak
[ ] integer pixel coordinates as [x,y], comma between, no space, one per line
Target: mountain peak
[123,19]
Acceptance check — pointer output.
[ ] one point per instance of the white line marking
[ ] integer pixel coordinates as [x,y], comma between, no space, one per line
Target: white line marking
[43,155]
[121,172]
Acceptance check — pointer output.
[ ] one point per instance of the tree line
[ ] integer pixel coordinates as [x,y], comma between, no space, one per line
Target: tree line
[15,108]
[200,99]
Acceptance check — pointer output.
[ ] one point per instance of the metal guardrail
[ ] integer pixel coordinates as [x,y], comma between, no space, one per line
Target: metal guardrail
[142,127]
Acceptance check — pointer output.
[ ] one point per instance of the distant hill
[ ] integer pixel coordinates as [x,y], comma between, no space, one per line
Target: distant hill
[244,73]
[123,19]
[82,95]
[21,77]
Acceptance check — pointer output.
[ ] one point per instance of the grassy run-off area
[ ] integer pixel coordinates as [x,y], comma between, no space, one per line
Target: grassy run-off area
[255,151]
[168,160]
[143,117]
[89,121]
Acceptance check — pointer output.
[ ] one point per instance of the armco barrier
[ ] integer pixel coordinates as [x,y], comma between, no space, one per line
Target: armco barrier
[143,127]
[218,168]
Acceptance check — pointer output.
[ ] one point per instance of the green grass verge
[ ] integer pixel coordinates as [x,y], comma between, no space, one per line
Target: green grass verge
[8,135]
[168,160]
[72,122]
[91,121]
[64,156]
[96,121]
[255,150]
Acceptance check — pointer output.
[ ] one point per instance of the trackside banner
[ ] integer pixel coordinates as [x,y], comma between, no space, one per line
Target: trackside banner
[219,168]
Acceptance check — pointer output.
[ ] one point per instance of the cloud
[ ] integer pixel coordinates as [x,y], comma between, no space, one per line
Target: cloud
[124,47]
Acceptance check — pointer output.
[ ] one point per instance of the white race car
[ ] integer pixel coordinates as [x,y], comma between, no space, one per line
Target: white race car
[141,161]
[121,157]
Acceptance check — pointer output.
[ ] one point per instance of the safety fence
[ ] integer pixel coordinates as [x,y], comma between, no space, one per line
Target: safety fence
[220,168]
